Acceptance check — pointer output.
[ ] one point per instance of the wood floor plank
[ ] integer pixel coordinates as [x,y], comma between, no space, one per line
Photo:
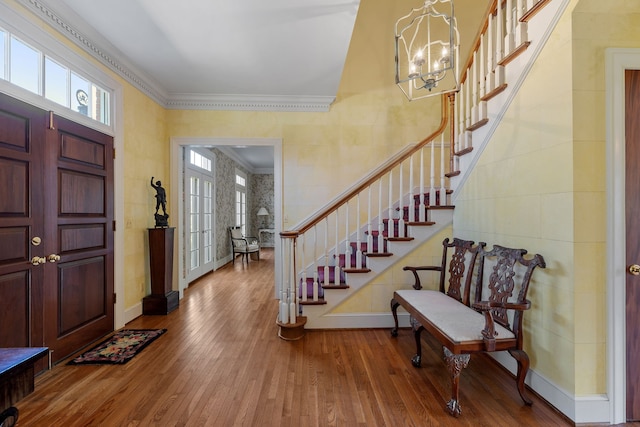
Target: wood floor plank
[221,363]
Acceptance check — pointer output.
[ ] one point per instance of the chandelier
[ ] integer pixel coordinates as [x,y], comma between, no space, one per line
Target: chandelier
[427,50]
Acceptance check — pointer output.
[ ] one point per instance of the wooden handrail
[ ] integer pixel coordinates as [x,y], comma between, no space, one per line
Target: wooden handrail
[378,173]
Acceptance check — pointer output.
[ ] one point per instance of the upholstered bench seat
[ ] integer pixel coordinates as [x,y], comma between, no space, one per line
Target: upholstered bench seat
[454,319]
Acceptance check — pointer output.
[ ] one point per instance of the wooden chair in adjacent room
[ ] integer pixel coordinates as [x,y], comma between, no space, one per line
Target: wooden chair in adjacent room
[243,245]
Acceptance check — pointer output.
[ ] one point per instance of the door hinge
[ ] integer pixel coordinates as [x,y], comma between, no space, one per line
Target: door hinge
[114,226]
[114,153]
[51,126]
[114,297]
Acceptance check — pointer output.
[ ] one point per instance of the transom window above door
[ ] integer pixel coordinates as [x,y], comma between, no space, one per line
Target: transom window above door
[29,68]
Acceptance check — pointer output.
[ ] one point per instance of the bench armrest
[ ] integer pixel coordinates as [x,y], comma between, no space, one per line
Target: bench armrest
[417,285]
[489,332]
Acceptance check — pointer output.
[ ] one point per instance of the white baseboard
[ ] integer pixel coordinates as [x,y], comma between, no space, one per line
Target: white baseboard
[582,409]
[356,321]
[132,312]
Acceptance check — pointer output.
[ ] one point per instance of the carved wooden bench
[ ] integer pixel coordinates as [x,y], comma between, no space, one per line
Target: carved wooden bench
[492,322]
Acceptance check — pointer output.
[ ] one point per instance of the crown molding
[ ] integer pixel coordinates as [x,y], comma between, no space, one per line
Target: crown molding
[250,102]
[101,50]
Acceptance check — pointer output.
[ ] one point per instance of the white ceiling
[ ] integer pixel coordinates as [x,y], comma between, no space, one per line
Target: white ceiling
[241,51]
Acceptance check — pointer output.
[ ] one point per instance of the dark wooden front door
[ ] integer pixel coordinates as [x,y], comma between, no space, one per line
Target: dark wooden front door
[22,143]
[632,207]
[63,182]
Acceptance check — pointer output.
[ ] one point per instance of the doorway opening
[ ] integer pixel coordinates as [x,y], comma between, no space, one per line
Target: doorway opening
[179,198]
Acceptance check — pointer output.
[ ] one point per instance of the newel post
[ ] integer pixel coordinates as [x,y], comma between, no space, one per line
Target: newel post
[290,323]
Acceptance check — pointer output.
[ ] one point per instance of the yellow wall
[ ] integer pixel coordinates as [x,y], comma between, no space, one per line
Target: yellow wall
[540,184]
[146,154]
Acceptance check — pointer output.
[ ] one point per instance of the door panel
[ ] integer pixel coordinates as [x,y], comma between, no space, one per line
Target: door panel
[15,306]
[632,207]
[86,296]
[79,296]
[22,136]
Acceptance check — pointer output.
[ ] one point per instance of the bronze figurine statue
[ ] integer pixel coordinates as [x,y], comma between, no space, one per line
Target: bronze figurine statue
[161,201]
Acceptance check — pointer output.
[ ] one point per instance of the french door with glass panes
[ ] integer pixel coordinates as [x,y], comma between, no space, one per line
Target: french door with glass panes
[199,216]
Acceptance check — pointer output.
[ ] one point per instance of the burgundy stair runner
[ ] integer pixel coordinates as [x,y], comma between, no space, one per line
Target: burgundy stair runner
[341,283]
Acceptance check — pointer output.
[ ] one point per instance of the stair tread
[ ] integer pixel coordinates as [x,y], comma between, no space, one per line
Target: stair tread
[356,270]
[343,286]
[311,302]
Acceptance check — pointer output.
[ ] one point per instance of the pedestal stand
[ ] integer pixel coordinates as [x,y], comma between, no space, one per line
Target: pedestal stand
[163,299]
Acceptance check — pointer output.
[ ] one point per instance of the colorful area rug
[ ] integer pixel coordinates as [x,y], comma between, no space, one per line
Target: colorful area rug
[119,348]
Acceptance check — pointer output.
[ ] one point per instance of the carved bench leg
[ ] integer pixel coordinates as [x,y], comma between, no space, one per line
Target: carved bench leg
[455,364]
[417,330]
[394,311]
[523,367]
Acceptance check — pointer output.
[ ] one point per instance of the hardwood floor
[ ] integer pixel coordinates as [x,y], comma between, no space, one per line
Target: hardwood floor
[221,363]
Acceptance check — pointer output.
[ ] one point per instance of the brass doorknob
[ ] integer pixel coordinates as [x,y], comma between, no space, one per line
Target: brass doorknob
[38,260]
[54,258]
[634,269]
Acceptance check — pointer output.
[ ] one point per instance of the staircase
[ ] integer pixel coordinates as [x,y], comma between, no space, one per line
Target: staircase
[407,200]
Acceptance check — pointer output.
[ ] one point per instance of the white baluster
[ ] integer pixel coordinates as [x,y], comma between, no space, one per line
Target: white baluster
[284,307]
[315,264]
[347,249]
[369,227]
[303,279]
[459,115]
[391,232]
[509,38]
[380,224]
[481,72]
[401,205]
[491,56]
[474,80]
[326,251]
[432,187]
[467,115]
[293,307]
[443,191]
[482,105]
[521,29]
[421,200]
[358,241]
[336,257]
[499,33]
[412,200]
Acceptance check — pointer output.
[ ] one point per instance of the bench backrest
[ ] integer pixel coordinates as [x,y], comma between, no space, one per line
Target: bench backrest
[460,255]
[503,276]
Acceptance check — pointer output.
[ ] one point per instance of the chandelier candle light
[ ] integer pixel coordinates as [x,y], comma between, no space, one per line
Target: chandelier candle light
[427,44]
